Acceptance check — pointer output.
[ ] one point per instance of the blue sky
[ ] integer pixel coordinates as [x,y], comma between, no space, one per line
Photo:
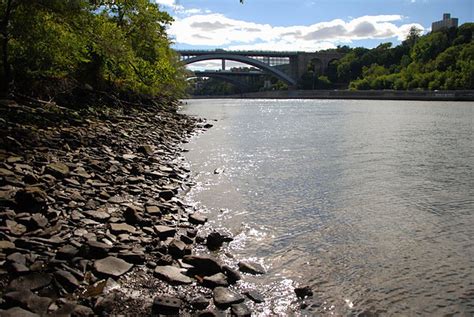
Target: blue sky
[303,25]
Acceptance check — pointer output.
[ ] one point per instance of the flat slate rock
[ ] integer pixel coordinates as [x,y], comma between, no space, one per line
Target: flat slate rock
[31,282]
[166,305]
[29,300]
[112,266]
[118,228]
[215,280]
[204,265]
[251,267]
[172,275]
[17,312]
[240,310]
[97,214]
[6,245]
[165,231]
[224,297]
[197,218]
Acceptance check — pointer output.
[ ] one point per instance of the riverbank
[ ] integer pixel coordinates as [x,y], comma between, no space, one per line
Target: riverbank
[447,95]
[92,220]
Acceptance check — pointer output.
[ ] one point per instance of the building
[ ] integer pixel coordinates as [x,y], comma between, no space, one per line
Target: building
[446,23]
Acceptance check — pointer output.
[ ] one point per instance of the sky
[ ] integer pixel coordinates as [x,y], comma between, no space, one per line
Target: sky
[303,25]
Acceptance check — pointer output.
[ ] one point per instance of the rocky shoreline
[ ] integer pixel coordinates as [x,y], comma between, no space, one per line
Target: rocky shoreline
[92,222]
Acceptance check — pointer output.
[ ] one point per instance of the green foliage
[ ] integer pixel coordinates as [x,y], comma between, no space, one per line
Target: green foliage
[103,43]
[439,60]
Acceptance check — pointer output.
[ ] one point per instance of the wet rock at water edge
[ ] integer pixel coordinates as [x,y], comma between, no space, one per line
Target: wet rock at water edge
[112,266]
[166,305]
[197,219]
[215,240]
[303,291]
[240,310]
[176,248]
[172,275]
[215,280]
[232,275]
[255,296]
[203,265]
[251,268]
[224,297]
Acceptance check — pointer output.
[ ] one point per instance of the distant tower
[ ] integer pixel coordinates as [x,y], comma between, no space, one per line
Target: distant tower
[446,23]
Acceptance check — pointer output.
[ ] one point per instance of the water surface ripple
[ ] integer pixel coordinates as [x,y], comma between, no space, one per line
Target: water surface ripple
[369,202]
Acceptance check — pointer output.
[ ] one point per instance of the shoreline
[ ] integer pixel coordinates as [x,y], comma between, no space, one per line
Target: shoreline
[93,221]
[445,95]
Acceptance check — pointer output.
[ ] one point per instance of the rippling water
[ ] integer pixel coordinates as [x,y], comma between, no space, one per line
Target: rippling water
[369,202]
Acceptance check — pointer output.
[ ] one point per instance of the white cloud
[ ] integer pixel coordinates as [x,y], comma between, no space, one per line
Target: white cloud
[217,30]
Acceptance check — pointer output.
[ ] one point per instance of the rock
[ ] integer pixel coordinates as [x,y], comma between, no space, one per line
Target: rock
[153,210]
[31,199]
[176,248]
[118,228]
[232,275]
[16,229]
[214,240]
[31,282]
[82,311]
[197,219]
[172,275]
[303,292]
[219,170]
[28,300]
[17,312]
[67,280]
[255,296]
[166,305]
[167,194]
[199,302]
[251,267]
[116,200]
[204,265]
[224,297]
[132,216]
[67,252]
[97,214]
[145,149]
[6,245]
[59,170]
[112,266]
[39,221]
[215,280]
[132,257]
[96,249]
[165,231]
[240,310]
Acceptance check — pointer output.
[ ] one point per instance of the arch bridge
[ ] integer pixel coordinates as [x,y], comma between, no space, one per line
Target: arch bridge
[287,66]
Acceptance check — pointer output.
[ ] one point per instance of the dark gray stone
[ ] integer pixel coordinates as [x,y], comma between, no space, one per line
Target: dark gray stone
[112,266]
[255,296]
[172,275]
[232,275]
[199,302]
[31,282]
[67,280]
[240,310]
[197,218]
[176,248]
[166,305]
[224,297]
[215,280]
[204,265]
[303,291]
[28,300]
[251,268]
[17,312]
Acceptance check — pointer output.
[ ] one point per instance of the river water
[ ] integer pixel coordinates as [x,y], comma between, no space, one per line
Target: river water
[371,203]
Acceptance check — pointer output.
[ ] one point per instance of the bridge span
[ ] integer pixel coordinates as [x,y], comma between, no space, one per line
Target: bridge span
[296,63]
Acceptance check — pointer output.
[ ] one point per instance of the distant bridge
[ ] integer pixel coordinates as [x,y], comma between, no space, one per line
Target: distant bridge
[269,62]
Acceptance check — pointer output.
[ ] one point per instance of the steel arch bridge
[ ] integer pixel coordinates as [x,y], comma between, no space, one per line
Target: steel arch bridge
[297,62]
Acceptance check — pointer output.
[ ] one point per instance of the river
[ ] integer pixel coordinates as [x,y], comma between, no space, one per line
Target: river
[371,203]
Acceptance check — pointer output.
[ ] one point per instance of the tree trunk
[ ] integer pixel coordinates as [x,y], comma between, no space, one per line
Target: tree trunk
[6,80]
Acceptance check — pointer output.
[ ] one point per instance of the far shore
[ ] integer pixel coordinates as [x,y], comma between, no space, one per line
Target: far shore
[440,95]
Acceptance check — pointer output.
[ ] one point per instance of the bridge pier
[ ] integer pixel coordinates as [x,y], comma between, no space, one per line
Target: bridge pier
[223,64]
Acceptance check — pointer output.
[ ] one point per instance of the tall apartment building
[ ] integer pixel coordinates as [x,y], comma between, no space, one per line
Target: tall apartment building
[447,23]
